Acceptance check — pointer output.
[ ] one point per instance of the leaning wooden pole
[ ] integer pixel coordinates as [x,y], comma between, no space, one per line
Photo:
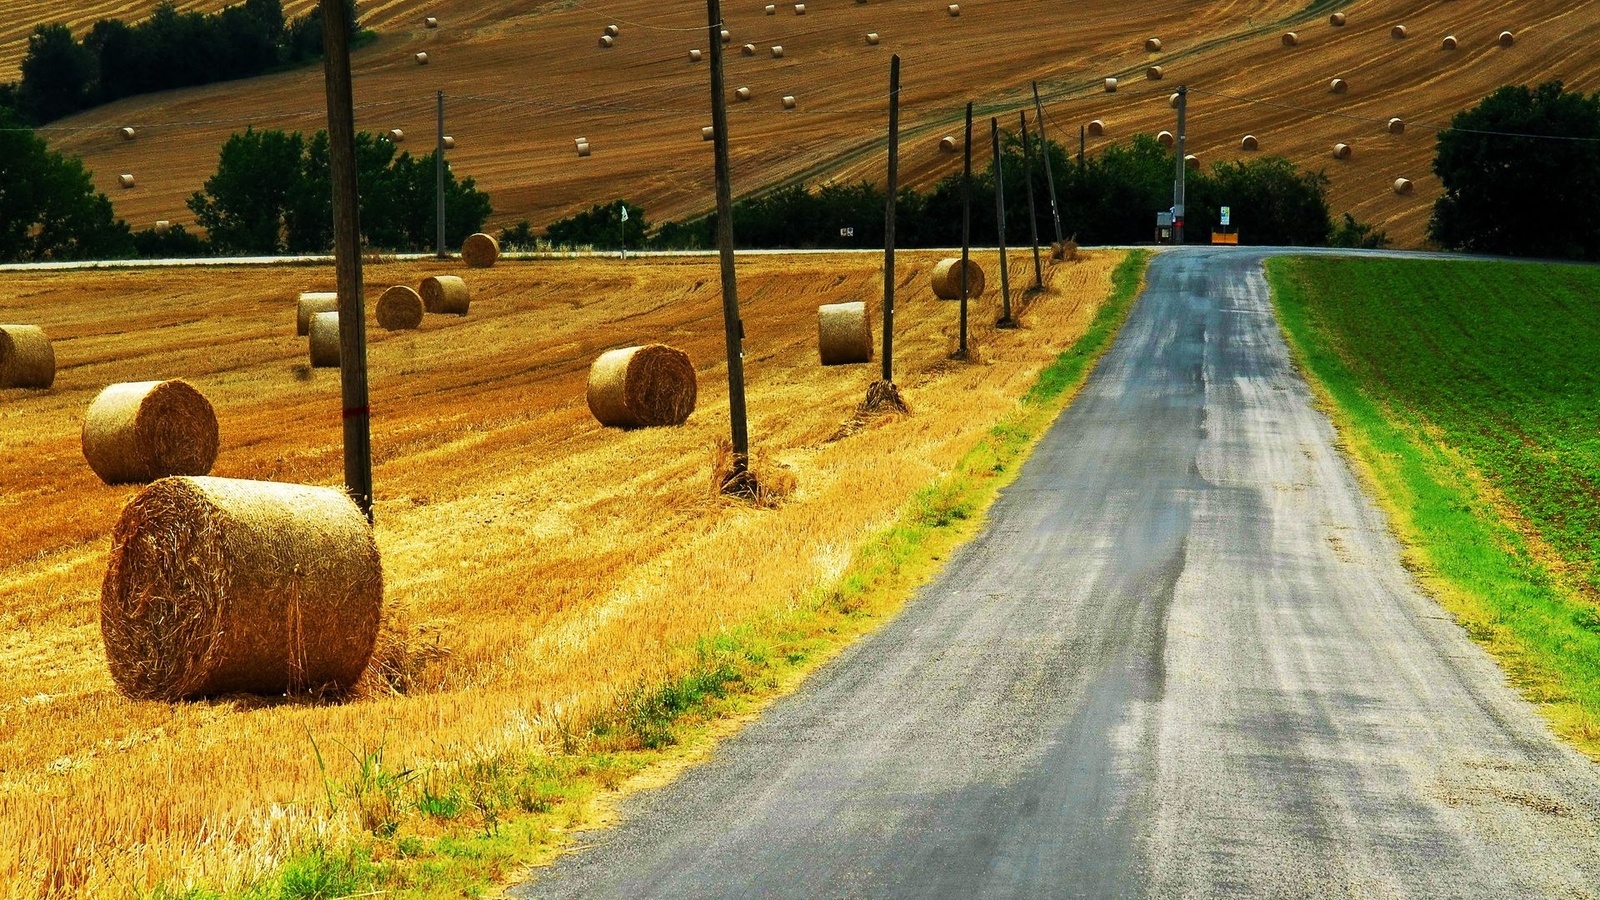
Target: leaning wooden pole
[888,218]
[1033,214]
[966,229]
[357,414]
[733,326]
[1044,146]
[1005,320]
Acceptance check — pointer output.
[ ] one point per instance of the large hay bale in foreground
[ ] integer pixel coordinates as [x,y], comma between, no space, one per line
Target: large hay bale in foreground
[947,279]
[219,586]
[325,340]
[446,294]
[400,309]
[139,431]
[27,359]
[636,387]
[480,250]
[844,333]
[311,303]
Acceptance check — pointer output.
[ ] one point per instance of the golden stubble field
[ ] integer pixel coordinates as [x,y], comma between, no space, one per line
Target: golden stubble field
[560,563]
[522,81]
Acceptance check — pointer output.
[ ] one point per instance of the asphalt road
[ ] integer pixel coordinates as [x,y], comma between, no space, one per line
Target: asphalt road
[1182,660]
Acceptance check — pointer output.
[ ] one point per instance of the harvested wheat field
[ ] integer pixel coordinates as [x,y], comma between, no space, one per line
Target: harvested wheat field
[537,564]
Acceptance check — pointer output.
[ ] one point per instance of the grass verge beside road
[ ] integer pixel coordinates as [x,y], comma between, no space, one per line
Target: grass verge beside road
[1466,393]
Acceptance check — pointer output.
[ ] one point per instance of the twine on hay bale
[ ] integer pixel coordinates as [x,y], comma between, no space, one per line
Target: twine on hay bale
[1336,20]
[1166,139]
[1290,39]
[1506,39]
[27,359]
[325,340]
[1398,32]
[139,431]
[1249,142]
[844,333]
[1154,73]
[872,38]
[126,180]
[1111,85]
[311,303]
[446,294]
[1402,185]
[1152,45]
[883,399]
[1097,127]
[947,279]
[1397,126]
[480,251]
[221,586]
[400,309]
[638,387]
[1449,42]
[1338,86]
[1342,151]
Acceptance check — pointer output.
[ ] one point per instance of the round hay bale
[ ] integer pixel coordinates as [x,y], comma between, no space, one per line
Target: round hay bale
[449,142]
[396,135]
[445,294]
[947,279]
[777,52]
[1290,39]
[872,38]
[727,36]
[1338,86]
[1166,139]
[955,10]
[742,93]
[799,9]
[1111,85]
[311,303]
[772,9]
[1152,45]
[1154,73]
[1397,126]
[947,144]
[636,387]
[612,30]
[844,333]
[695,55]
[430,22]
[325,340]
[139,431]
[422,58]
[1398,32]
[707,133]
[1449,42]
[1249,142]
[607,40]
[1191,161]
[1097,127]
[163,226]
[480,250]
[1336,20]
[126,180]
[1173,99]
[220,586]
[788,101]
[748,50]
[127,132]
[1341,151]
[1507,39]
[400,309]
[1402,185]
[583,148]
[27,359]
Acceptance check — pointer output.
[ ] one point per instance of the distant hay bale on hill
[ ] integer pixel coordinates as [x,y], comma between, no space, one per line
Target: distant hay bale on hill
[613,30]
[789,101]
[446,295]
[1166,139]
[1097,127]
[396,135]
[1154,73]
[727,36]
[777,52]
[946,280]
[1290,39]
[449,142]
[1336,20]
[27,358]
[311,303]
[955,9]
[421,58]
[1341,151]
[582,146]
[947,144]
[695,55]
[1397,126]
[1449,42]
[1338,86]
[400,309]
[1507,39]
[127,132]
[1398,32]
[743,93]
[771,9]
[1152,45]
[708,133]
[607,40]
[1173,99]
[480,251]
[220,586]
[430,22]
[139,431]
[844,333]
[872,38]
[1249,142]
[799,9]
[163,226]
[636,387]
[1191,161]
[325,340]
[748,50]
[126,180]
[1402,186]
[1111,85]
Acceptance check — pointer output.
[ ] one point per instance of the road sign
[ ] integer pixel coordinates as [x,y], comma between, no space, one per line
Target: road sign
[847,232]
[1227,214]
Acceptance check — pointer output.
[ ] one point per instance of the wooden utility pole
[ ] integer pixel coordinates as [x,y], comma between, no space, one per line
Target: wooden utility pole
[1033,215]
[733,326]
[966,228]
[1177,183]
[1005,320]
[1044,145]
[438,183]
[888,218]
[347,255]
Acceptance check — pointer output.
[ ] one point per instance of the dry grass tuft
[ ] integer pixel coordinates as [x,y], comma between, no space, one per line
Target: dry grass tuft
[765,487]
[883,399]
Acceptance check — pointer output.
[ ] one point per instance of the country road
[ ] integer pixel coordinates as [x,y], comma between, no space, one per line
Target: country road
[1181,660]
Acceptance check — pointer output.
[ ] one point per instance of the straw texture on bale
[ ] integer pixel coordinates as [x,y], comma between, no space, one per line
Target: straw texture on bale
[1507,39]
[1166,139]
[636,387]
[955,9]
[311,303]
[748,50]
[788,101]
[872,38]
[1397,126]
[1341,151]
[422,58]
[1290,39]
[139,431]
[1152,45]
[1249,142]
[446,294]
[1154,73]
[1336,20]
[694,55]
[607,40]
[1111,85]
[1402,185]
[396,135]
[947,279]
[947,144]
[844,333]
[325,340]
[27,359]
[1449,42]
[1097,127]
[449,142]
[221,586]
[1397,32]
[612,30]
[125,179]
[777,52]
[400,309]
[127,133]
[430,22]
[480,250]
[1338,86]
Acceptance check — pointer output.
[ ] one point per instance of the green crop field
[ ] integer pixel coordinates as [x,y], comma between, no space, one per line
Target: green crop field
[1469,393]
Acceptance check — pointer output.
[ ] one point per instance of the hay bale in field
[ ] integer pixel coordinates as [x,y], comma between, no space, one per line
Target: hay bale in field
[1397,126]
[1152,45]
[143,430]
[748,50]
[1338,86]
[707,133]
[445,295]
[872,38]
[695,55]
[771,9]
[1173,99]
[422,58]
[799,9]
[480,250]
[637,387]
[1066,251]
[1402,186]
[844,333]
[777,52]
[430,22]
[788,101]
[1154,73]
[607,40]
[220,586]
[1192,161]
[1507,39]
[163,226]
[449,142]
[947,144]
[126,180]
[1290,39]
[727,36]
[954,9]
[396,135]
[1166,139]
[400,309]
[582,147]
[1449,42]
[1097,127]
[325,340]
[1336,20]
[612,30]
[27,359]
[1398,32]
[311,303]
[742,93]
[1111,85]
[1249,142]
[947,279]
[1341,151]
[127,132]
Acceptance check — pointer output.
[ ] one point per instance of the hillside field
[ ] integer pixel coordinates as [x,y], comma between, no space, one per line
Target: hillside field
[521,83]
[538,567]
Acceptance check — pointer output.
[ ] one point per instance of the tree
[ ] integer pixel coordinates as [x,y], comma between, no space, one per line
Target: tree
[601,227]
[244,203]
[1273,203]
[1521,175]
[49,209]
[58,75]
